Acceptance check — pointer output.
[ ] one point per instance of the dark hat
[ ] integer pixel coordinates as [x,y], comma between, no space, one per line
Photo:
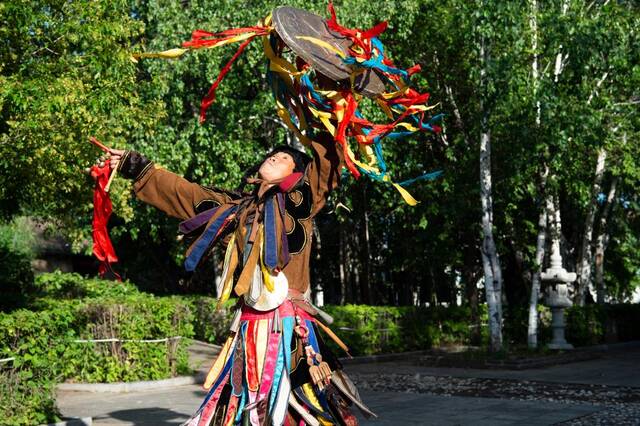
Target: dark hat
[299,158]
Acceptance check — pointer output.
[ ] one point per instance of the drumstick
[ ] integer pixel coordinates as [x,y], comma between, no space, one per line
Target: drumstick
[99,144]
[114,172]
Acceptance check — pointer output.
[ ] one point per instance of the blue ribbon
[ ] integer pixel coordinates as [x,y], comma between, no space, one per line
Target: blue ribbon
[205,241]
[270,235]
[221,377]
[284,358]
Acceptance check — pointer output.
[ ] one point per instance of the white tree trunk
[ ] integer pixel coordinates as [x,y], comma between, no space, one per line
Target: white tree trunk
[601,242]
[532,329]
[490,260]
[585,258]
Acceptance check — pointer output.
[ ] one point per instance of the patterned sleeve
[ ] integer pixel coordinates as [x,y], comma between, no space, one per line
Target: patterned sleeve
[323,173]
[167,191]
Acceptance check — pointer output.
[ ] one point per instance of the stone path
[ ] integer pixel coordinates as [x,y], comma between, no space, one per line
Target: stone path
[170,407]
[602,392]
[615,368]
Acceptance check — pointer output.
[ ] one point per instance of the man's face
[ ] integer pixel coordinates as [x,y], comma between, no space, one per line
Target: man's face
[277,166]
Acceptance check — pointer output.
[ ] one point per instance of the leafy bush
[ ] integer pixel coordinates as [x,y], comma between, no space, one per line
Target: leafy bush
[55,286]
[382,329]
[211,325]
[585,325]
[16,254]
[516,322]
[27,398]
[46,339]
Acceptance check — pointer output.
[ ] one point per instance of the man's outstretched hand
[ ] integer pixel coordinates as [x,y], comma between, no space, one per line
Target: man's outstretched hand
[115,156]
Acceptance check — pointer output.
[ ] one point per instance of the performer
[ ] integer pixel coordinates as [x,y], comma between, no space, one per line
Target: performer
[274,367]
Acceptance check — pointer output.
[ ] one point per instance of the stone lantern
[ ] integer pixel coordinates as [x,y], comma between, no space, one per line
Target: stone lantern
[557,295]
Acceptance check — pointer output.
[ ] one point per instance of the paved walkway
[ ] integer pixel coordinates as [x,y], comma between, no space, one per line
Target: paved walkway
[164,407]
[615,368]
[170,407]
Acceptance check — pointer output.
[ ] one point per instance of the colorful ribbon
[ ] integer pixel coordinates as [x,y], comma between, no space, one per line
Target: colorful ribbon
[306,109]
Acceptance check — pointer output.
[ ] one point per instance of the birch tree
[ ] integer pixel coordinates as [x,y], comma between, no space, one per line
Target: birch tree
[532,329]
[602,241]
[490,259]
[584,259]
[547,206]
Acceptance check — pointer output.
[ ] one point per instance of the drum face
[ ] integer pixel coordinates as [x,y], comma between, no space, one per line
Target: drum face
[291,24]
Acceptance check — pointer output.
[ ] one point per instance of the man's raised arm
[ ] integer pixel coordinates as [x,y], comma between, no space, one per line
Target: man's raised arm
[324,171]
[164,190]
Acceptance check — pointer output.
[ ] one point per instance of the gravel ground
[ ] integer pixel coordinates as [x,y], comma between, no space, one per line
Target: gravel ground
[620,405]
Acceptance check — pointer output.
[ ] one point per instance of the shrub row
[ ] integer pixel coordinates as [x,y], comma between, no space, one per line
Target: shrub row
[382,329]
[585,325]
[67,308]
[364,329]
[64,308]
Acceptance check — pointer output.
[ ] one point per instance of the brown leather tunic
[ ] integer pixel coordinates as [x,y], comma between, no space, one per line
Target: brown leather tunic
[180,198]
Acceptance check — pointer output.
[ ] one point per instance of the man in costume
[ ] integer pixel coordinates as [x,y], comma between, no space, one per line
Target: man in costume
[274,367]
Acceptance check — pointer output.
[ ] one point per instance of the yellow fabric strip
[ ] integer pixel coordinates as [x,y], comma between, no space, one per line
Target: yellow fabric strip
[405,194]
[266,275]
[219,363]
[324,45]
[311,396]
[167,54]
[262,338]
[230,264]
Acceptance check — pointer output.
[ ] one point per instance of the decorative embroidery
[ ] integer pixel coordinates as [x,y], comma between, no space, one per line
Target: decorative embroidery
[298,208]
[207,204]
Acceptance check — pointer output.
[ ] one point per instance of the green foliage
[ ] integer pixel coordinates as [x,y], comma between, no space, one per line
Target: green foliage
[382,329]
[210,324]
[27,398]
[16,254]
[594,324]
[66,286]
[516,320]
[46,338]
[65,308]
[585,325]
[65,74]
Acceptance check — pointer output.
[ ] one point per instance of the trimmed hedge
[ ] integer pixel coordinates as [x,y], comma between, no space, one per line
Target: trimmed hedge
[370,330]
[365,329]
[43,341]
[45,338]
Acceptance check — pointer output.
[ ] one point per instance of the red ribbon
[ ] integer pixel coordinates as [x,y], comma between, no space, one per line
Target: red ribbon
[102,208]
[359,37]
[201,38]
[210,98]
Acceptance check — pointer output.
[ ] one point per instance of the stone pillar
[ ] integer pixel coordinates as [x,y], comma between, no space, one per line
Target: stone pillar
[557,295]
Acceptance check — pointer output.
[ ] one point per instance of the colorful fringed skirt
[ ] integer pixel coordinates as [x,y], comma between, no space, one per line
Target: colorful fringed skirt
[276,370]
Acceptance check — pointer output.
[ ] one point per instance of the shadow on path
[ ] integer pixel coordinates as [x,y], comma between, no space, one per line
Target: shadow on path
[145,416]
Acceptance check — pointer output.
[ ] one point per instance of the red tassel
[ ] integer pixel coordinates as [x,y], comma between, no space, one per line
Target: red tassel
[375,31]
[341,133]
[102,208]
[414,69]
